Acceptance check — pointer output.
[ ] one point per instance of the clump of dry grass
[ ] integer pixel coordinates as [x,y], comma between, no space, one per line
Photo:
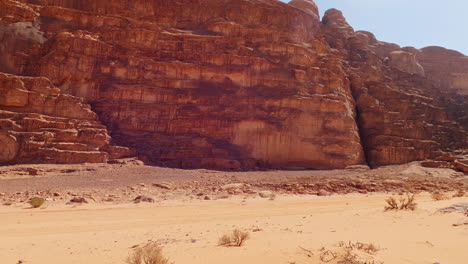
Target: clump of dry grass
[149,254]
[236,239]
[459,193]
[405,203]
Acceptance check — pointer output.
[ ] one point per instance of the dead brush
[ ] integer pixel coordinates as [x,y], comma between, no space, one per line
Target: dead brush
[392,204]
[149,254]
[405,203]
[327,255]
[236,239]
[438,196]
[369,248]
[408,203]
[459,193]
[346,256]
[349,258]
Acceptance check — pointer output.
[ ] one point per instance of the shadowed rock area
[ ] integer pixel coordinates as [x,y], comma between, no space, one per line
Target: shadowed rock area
[244,84]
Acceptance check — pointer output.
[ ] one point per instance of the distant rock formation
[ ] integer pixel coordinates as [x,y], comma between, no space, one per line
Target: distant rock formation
[244,84]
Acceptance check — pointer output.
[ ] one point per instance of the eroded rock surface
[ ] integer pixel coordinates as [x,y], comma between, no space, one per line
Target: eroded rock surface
[402,115]
[237,84]
[39,124]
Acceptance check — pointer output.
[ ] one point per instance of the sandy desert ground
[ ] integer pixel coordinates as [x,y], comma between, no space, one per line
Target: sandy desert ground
[291,216]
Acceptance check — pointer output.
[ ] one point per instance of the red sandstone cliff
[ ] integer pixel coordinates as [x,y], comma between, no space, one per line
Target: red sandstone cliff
[39,124]
[239,84]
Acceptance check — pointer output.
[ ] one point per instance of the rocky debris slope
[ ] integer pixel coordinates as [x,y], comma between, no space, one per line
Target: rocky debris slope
[39,124]
[239,84]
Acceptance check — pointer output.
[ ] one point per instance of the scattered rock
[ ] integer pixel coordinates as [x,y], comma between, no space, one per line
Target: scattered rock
[142,198]
[446,157]
[79,200]
[207,198]
[461,222]
[33,171]
[462,165]
[460,207]
[166,186]
[68,171]
[323,192]
[265,194]
[234,186]
[357,167]
[436,164]
[127,162]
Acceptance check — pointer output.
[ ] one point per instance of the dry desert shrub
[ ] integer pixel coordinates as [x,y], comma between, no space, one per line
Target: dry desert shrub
[350,253]
[236,239]
[392,204]
[405,203]
[369,248]
[327,255]
[349,258]
[438,196]
[36,202]
[149,254]
[459,193]
[408,203]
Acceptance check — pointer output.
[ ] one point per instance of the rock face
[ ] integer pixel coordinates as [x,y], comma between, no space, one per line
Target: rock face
[39,124]
[230,84]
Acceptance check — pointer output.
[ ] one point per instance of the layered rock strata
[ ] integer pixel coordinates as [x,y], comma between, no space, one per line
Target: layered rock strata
[402,114]
[240,84]
[39,124]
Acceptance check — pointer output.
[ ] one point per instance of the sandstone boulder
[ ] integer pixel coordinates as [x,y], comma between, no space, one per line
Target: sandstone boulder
[405,61]
[9,148]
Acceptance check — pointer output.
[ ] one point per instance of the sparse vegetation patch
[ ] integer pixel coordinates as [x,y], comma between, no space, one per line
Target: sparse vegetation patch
[148,254]
[36,202]
[404,203]
[459,193]
[236,239]
[438,196]
[369,248]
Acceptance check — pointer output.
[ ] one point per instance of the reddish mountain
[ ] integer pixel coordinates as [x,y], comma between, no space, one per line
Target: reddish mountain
[225,84]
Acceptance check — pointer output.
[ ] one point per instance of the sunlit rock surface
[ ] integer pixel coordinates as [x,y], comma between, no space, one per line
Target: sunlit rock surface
[243,84]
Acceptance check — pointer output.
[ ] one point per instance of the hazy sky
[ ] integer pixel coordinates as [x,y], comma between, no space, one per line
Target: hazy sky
[417,23]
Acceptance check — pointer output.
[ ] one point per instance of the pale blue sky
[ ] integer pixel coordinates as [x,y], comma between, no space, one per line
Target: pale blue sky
[417,23]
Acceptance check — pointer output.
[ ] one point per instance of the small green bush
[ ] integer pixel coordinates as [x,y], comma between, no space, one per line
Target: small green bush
[36,202]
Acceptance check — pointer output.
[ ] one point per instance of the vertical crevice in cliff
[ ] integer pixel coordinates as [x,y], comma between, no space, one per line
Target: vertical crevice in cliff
[360,128]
